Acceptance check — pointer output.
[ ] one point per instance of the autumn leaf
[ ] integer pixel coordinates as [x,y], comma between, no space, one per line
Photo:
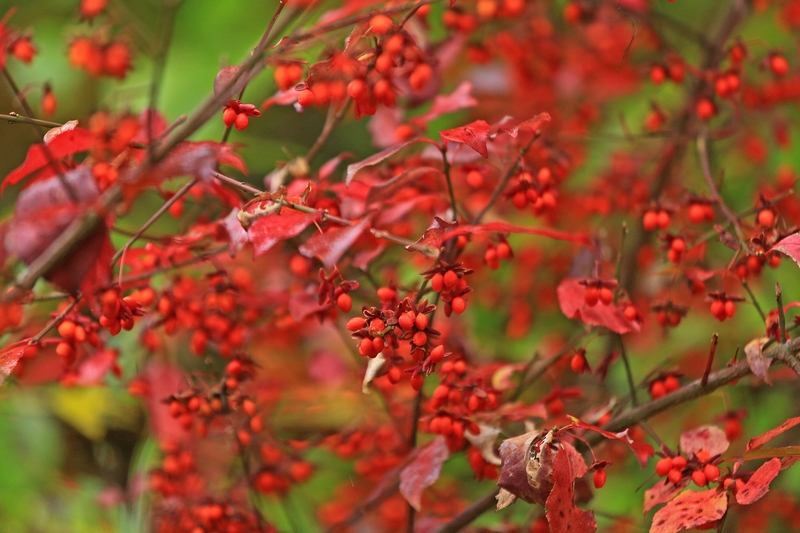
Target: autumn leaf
[330,246]
[709,438]
[662,492]
[571,300]
[641,450]
[374,159]
[758,364]
[63,142]
[562,513]
[9,358]
[269,230]
[758,484]
[759,441]
[443,104]
[512,126]
[689,510]
[390,187]
[423,470]
[474,135]
[789,246]
[502,227]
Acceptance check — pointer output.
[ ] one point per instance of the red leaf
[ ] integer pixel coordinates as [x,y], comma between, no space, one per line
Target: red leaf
[9,358]
[758,442]
[512,126]
[432,236]
[513,471]
[269,230]
[380,156]
[758,364]
[304,305]
[224,76]
[758,484]
[641,450]
[562,514]
[502,227]
[709,438]
[42,212]
[789,246]
[474,135]
[197,159]
[163,380]
[330,246]
[444,104]
[423,470]
[570,298]
[93,370]
[159,126]
[690,509]
[662,492]
[389,188]
[237,236]
[329,166]
[64,143]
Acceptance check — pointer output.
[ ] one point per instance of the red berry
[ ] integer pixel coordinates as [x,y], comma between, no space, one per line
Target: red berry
[241,121]
[703,456]
[711,472]
[697,213]
[733,428]
[675,476]
[699,478]
[663,466]
[599,479]
[705,109]
[606,295]
[766,218]
[458,304]
[229,117]
[578,363]
[556,407]
[658,74]
[357,89]
[421,321]
[344,302]
[475,179]
[406,321]
[305,98]
[417,380]
[450,279]
[664,219]
[671,383]
[630,312]
[591,296]
[650,220]
[718,309]
[778,65]
[355,324]
[234,368]
[437,282]
[730,308]
[380,24]
[394,375]
[679,462]
[657,390]
[678,244]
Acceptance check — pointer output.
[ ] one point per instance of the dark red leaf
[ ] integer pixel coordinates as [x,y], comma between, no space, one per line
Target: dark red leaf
[389,188]
[163,380]
[363,259]
[42,212]
[474,135]
[758,364]
[380,156]
[329,166]
[330,246]
[432,236]
[269,230]
[562,514]
[709,438]
[789,246]
[502,227]
[570,298]
[758,484]
[758,442]
[690,509]
[514,471]
[662,492]
[62,144]
[423,470]
[303,305]
[237,235]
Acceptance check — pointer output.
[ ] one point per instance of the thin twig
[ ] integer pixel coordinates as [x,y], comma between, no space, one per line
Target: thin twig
[710,360]
[16,118]
[331,120]
[56,321]
[628,373]
[163,209]
[501,186]
[753,299]
[446,171]
[781,314]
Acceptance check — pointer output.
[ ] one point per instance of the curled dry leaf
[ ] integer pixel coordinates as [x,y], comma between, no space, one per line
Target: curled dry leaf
[374,366]
[484,443]
[758,364]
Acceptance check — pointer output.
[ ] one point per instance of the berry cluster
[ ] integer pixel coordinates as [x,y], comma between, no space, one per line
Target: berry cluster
[98,56]
[238,114]
[448,281]
[538,192]
[723,305]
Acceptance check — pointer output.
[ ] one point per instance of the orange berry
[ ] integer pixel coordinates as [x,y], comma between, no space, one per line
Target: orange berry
[380,24]
[242,121]
[699,478]
[305,98]
[675,476]
[650,220]
[657,390]
[663,466]
[730,308]
[344,302]
[417,380]
[671,383]
[664,219]
[92,8]
[697,213]
[679,462]
[778,65]
[766,218]
[606,295]
[67,330]
[711,472]
[591,296]
[577,364]
[459,305]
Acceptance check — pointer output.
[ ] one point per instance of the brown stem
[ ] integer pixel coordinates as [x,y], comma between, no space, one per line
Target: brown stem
[16,118]
[781,314]
[710,360]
